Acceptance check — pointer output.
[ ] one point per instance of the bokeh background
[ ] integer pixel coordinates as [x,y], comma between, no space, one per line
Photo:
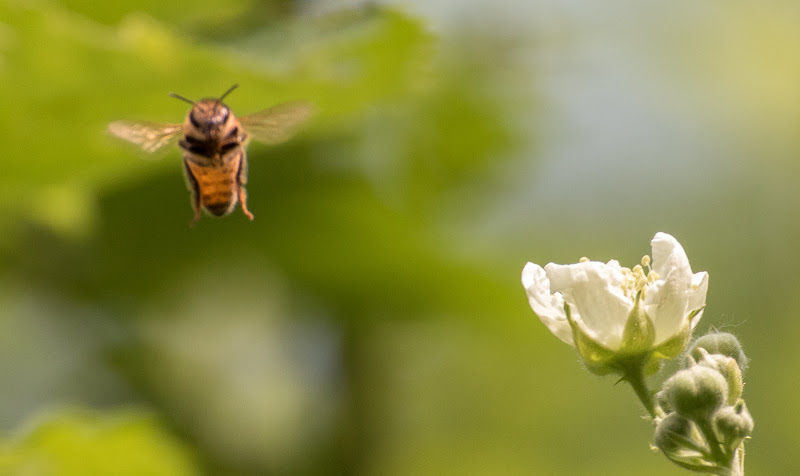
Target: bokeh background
[371,319]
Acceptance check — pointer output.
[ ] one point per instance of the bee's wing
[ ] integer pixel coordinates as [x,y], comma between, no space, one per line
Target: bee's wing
[278,123]
[149,136]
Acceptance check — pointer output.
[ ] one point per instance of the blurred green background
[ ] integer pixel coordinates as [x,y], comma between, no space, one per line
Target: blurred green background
[371,319]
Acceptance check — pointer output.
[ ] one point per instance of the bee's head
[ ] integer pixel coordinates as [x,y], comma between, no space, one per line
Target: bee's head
[208,115]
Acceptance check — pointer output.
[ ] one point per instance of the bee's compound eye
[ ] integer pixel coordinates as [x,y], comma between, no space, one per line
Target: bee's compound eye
[224,112]
[193,120]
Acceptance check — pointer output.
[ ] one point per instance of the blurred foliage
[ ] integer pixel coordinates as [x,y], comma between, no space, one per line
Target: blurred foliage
[72,443]
[342,68]
[226,330]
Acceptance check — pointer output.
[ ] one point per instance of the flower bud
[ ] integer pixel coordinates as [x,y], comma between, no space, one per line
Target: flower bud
[673,433]
[729,369]
[662,399]
[696,392]
[720,343]
[733,424]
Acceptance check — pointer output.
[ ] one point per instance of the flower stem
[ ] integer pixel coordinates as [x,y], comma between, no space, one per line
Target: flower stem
[634,375]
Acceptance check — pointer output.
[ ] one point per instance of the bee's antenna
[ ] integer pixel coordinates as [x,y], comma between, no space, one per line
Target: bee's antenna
[230,90]
[176,96]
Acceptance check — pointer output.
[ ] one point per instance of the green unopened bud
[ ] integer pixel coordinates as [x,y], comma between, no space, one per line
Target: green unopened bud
[729,369]
[696,392]
[674,434]
[733,424]
[720,343]
[663,401]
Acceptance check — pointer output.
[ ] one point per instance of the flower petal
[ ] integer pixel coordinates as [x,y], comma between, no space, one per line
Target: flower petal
[549,307]
[592,289]
[697,295]
[667,254]
[667,298]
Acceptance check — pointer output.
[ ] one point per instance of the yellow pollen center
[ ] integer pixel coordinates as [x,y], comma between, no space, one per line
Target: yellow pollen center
[637,280]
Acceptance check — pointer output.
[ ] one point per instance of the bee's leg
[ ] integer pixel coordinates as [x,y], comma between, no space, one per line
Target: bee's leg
[243,200]
[194,190]
[241,179]
[196,207]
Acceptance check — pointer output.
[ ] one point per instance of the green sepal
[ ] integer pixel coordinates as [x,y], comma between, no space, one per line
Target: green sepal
[639,333]
[675,436]
[698,464]
[653,365]
[598,358]
[672,347]
[733,374]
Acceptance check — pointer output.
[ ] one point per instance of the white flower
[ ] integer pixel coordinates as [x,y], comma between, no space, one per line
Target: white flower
[601,297]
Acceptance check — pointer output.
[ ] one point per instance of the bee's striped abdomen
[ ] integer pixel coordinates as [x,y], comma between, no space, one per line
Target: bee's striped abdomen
[217,183]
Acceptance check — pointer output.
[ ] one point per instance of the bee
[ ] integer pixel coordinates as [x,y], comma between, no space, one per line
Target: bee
[213,142]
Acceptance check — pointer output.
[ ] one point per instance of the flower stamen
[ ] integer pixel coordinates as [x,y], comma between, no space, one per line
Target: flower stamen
[635,281]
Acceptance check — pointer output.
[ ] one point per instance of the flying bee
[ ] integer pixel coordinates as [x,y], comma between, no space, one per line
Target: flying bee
[214,142]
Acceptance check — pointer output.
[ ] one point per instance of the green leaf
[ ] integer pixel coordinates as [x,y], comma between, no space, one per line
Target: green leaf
[77,442]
